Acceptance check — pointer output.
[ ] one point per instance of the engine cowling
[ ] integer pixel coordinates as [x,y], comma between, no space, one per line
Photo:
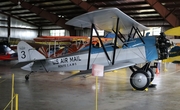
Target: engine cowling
[163,44]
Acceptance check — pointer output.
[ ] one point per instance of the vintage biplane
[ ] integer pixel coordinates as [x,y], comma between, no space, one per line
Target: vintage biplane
[136,49]
[56,46]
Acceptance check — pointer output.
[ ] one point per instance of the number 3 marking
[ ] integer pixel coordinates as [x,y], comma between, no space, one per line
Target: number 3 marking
[23,55]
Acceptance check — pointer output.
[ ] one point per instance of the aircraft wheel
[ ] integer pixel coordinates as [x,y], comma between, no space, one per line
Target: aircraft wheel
[139,80]
[27,77]
[151,74]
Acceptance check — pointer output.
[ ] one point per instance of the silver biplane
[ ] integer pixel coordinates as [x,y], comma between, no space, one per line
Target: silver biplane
[135,50]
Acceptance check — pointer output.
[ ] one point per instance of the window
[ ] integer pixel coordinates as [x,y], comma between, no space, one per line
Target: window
[57,32]
[154,30]
[101,32]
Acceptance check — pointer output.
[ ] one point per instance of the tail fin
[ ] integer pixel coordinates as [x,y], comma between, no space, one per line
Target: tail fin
[28,53]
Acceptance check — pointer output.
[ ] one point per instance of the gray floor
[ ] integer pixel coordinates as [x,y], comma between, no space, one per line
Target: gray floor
[46,91]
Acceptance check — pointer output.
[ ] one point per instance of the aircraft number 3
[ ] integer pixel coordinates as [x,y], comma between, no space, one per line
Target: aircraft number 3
[23,56]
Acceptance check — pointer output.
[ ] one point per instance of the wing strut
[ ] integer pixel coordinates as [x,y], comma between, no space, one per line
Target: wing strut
[121,37]
[136,31]
[115,41]
[101,43]
[139,34]
[129,35]
[89,54]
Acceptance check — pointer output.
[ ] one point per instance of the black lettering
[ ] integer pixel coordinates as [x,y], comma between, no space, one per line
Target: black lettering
[23,55]
[73,59]
[64,60]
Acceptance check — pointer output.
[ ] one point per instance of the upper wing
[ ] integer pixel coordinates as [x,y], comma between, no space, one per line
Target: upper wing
[106,19]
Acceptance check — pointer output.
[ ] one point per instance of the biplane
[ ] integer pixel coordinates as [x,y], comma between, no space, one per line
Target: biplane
[57,46]
[136,48]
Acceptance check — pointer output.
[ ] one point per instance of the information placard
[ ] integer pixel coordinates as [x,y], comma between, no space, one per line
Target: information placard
[97,70]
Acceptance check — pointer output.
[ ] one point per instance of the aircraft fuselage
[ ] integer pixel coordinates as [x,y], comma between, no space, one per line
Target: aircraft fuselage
[78,61]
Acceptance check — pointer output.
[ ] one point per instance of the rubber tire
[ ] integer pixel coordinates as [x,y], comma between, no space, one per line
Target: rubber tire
[151,73]
[133,80]
[27,77]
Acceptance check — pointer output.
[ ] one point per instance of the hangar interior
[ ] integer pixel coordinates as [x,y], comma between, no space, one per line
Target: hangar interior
[29,19]
[39,17]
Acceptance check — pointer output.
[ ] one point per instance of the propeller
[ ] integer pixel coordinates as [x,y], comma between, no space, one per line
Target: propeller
[163,44]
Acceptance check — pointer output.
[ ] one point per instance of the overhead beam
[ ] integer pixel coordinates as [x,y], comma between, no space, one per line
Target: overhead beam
[18,18]
[129,3]
[141,13]
[7,6]
[164,1]
[167,15]
[36,19]
[84,5]
[41,1]
[21,13]
[55,5]
[92,1]
[64,9]
[45,14]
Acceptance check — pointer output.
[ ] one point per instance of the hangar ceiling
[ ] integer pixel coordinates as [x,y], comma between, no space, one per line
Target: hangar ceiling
[42,13]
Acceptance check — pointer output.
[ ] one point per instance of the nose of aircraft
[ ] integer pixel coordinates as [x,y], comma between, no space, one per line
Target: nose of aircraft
[163,44]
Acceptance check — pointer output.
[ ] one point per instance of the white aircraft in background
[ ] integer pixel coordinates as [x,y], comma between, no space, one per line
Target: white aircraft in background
[141,50]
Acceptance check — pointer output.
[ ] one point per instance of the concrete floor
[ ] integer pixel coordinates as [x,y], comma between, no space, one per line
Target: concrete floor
[46,91]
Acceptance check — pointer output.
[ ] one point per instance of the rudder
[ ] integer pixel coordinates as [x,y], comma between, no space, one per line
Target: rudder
[28,53]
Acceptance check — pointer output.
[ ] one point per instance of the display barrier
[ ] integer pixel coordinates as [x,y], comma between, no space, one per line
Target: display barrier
[14,97]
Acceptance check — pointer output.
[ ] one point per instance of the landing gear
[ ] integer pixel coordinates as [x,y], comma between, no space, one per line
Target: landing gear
[151,74]
[140,80]
[27,76]
[141,77]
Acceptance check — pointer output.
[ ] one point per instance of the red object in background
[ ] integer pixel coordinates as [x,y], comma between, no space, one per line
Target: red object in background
[6,53]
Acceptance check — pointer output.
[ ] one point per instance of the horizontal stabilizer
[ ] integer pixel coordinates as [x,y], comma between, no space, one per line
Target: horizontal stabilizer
[21,64]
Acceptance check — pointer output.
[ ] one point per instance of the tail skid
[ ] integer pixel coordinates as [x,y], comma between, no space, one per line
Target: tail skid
[28,53]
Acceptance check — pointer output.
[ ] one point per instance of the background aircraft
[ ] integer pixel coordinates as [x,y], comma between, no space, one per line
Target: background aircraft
[6,53]
[174,52]
[141,50]
[57,46]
